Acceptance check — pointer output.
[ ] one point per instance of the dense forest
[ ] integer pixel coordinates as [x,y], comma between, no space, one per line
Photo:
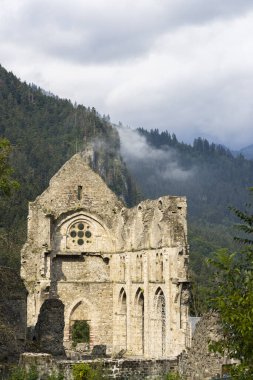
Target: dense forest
[45,131]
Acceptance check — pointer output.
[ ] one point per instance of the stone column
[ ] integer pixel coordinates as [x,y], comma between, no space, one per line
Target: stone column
[128,258]
[146,303]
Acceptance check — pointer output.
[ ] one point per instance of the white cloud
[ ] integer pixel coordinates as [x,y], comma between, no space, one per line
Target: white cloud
[182,65]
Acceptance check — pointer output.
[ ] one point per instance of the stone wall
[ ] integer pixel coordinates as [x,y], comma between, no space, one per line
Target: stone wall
[120,369]
[12,315]
[198,363]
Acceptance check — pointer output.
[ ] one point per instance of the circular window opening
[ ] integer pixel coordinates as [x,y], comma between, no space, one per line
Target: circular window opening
[80,226]
[80,234]
[73,234]
[80,241]
[88,234]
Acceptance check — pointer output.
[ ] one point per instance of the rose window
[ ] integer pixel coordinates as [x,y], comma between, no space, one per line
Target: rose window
[80,233]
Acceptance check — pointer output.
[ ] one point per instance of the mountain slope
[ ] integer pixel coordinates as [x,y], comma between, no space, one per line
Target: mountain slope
[211,178]
[247,152]
[208,174]
[45,131]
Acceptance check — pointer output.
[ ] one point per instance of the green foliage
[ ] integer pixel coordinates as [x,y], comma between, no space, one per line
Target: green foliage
[44,132]
[241,372]
[204,240]
[173,376]
[83,371]
[80,332]
[234,302]
[6,182]
[246,225]
[54,376]
[19,373]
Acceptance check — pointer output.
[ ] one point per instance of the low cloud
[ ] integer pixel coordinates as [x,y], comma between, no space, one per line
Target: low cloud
[137,152]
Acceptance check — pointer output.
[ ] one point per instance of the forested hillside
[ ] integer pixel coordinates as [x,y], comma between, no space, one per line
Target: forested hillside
[209,174]
[211,178]
[45,131]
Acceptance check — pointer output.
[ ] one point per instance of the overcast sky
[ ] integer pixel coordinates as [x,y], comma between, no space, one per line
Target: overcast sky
[181,65]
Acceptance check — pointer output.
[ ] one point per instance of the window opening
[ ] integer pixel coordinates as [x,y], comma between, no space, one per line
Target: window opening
[79,192]
[122,300]
[160,312]
[139,300]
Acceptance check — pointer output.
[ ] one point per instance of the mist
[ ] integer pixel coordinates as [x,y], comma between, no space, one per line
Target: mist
[162,164]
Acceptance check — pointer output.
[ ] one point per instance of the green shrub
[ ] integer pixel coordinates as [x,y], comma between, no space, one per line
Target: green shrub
[60,376]
[173,376]
[83,371]
[80,332]
[19,373]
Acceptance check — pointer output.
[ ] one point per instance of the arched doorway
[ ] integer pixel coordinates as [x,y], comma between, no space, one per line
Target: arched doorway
[81,327]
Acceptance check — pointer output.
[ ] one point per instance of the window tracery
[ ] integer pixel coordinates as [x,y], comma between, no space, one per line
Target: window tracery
[79,233]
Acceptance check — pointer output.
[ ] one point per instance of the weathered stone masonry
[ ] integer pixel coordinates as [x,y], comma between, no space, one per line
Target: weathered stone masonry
[12,315]
[124,271]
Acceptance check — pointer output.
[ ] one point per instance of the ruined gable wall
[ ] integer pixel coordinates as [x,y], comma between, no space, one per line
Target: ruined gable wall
[60,198]
[142,249]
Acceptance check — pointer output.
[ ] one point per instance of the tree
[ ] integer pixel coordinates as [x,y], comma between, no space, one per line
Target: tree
[234,301]
[246,225]
[6,182]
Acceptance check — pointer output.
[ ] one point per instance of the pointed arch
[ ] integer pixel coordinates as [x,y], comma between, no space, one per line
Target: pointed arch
[81,310]
[121,321]
[81,231]
[139,322]
[122,301]
[159,325]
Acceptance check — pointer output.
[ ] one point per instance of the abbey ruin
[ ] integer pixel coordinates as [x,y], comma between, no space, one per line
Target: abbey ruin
[122,271]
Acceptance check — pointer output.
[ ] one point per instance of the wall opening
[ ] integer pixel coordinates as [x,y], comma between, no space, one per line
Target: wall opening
[160,322]
[139,322]
[81,327]
[80,333]
[79,192]
[122,320]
